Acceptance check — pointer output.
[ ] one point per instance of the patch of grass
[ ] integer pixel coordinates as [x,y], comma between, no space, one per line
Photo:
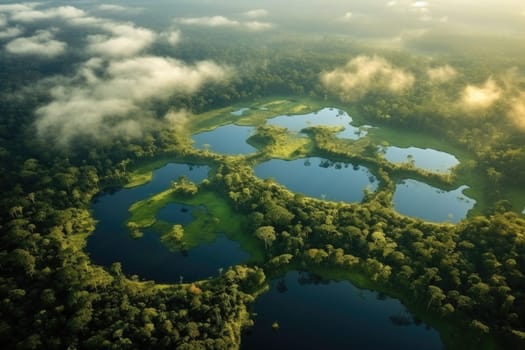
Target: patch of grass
[142,172]
[216,216]
[212,119]
[143,213]
[410,138]
[257,114]
[291,147]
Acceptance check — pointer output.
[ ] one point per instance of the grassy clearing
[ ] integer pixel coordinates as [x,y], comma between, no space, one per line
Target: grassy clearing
[144,212]
[142,172]
[217,217]
[255,115]
[291,148]
[212,119]
[407,138]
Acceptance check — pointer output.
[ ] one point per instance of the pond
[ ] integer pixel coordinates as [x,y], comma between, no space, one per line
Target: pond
[147,257]
[319,314]
[424,158]
[240,112]
[418,199]
[320,178]
[228,139]
[324,117]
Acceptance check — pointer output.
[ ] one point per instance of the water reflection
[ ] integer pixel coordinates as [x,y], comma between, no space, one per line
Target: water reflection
[424,158]
[148,257]
[228,139]
[325,117]
[314,313]
[320,178]
[417,199]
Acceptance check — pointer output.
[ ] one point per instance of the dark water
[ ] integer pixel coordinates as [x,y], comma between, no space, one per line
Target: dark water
[317,177]
[324,117]
[147,257]
[176,213]
[417,199]
[228,139]
[313,314]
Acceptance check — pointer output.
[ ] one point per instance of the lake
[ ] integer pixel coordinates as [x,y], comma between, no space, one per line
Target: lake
[227,139]
[424,158]
[317,314]
[324,117]
[147,257]
[320,178]
[418,199]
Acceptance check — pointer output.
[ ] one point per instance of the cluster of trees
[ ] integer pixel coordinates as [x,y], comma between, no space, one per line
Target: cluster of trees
[469,273]
[53,297]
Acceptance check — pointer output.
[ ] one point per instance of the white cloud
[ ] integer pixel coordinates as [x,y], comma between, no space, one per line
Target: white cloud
[31,15]
[441,74]
[347,16]
[363,74]
[28,6]
[177,119]
[109,101]
[3,20]
[517,112]
[126,40]
[118,8]
[391,3]
[111,7]
[40,44]
[221,21]
[420,4]
[257,26]
[480,97]
[173,37]
[214,21]
[257,13]
[10,32]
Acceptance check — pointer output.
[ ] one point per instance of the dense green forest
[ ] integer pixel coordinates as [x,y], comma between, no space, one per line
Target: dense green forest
[467,280]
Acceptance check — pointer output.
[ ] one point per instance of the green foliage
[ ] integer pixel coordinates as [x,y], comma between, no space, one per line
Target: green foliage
[469,276]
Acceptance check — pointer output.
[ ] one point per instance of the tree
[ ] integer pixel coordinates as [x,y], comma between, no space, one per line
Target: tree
[174,236]
[436,296]
[266,234]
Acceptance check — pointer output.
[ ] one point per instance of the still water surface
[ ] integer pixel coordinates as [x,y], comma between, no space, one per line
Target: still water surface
[317,314]
[418,199]
[228,139]
[320,178]
[424,158]
[325,117]
[147,257]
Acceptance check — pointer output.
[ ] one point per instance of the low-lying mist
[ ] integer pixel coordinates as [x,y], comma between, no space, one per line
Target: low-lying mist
[127,55]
